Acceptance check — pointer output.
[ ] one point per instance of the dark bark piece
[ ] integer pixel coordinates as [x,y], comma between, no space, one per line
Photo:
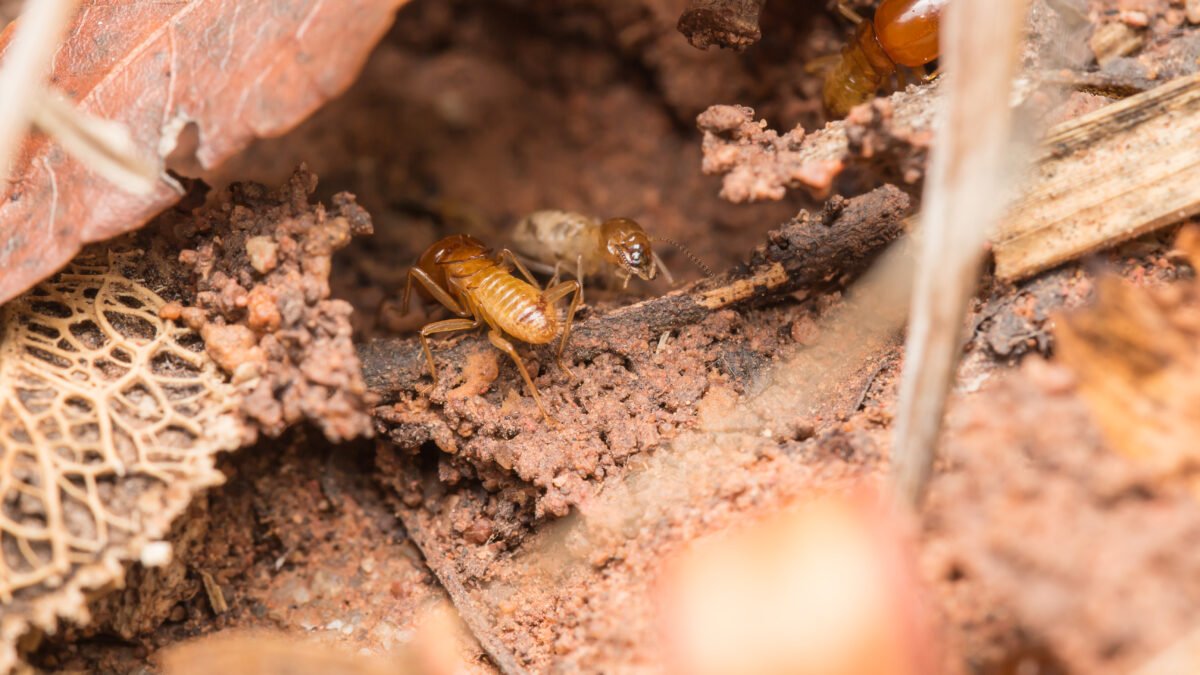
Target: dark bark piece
[238,71]
[725,23]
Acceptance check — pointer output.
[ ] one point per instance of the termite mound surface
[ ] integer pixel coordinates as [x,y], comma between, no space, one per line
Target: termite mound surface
[601,98]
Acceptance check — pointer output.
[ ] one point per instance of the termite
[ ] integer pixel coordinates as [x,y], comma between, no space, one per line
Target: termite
[466,277]
[903,33]
[553,239]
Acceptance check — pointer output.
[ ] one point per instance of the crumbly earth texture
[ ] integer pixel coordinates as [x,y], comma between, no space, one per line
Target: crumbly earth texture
[261,261]
[492,110]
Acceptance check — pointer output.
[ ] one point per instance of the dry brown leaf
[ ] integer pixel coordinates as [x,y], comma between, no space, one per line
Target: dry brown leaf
[237,70]
[1136,355]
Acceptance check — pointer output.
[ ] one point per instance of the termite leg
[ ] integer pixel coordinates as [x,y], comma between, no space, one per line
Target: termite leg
[540,268]
[663,268]
[445,326]
[436,291]
[407,292]
[822,64]
[553,294]
[520,266]
[505,346]
[557,274]
[579,275]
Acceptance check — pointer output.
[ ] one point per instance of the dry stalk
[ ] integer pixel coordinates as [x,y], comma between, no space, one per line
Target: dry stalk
[41,28]
[962,204]
[103,145]
[1106,177]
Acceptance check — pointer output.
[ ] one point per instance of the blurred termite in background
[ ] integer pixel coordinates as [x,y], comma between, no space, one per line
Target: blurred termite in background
[463,274]
[903,33]
[588,248]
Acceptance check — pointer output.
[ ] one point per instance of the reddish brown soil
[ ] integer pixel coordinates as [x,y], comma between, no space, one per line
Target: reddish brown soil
[298,540]
[473,114]
[260,264]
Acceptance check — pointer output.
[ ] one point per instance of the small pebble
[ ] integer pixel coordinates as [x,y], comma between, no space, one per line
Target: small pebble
[170,311]
[263,254]
[155,554]
[1193,11]
[1134,18]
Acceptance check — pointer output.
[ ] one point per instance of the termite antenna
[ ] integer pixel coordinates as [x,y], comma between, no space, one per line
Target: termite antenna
[690,256]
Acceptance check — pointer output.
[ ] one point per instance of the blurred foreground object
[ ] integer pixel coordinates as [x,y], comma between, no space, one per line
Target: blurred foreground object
[439,647]
[826,589]
[258,653]
[970,177]
[27,57]
[1136,356]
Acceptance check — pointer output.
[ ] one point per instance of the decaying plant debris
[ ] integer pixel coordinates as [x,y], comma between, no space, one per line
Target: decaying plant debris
[170,67]
[1135,355]
[110,422]
[728,23]
[708,407]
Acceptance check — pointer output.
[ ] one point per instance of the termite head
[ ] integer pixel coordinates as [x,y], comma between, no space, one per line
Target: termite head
[459,248]
[627,246]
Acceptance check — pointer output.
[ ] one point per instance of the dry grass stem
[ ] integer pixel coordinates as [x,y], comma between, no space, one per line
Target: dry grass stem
[103,145]
[25,67]
[963,202]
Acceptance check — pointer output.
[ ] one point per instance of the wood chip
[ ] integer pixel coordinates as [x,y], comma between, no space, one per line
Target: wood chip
[216,598]
[1107,177]
[1112,40]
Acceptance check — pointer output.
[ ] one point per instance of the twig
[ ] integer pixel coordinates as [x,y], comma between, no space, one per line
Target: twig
[963,201]
[103,145]
[866,389]
[216,597]
[39,31]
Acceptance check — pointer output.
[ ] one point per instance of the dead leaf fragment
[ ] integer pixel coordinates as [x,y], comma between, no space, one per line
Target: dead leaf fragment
[110,421]
[237,71]
[1137,358]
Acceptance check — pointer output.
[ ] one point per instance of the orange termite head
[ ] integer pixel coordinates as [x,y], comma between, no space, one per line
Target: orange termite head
[908,30]
[456,248]
[452,249]
[627,245]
